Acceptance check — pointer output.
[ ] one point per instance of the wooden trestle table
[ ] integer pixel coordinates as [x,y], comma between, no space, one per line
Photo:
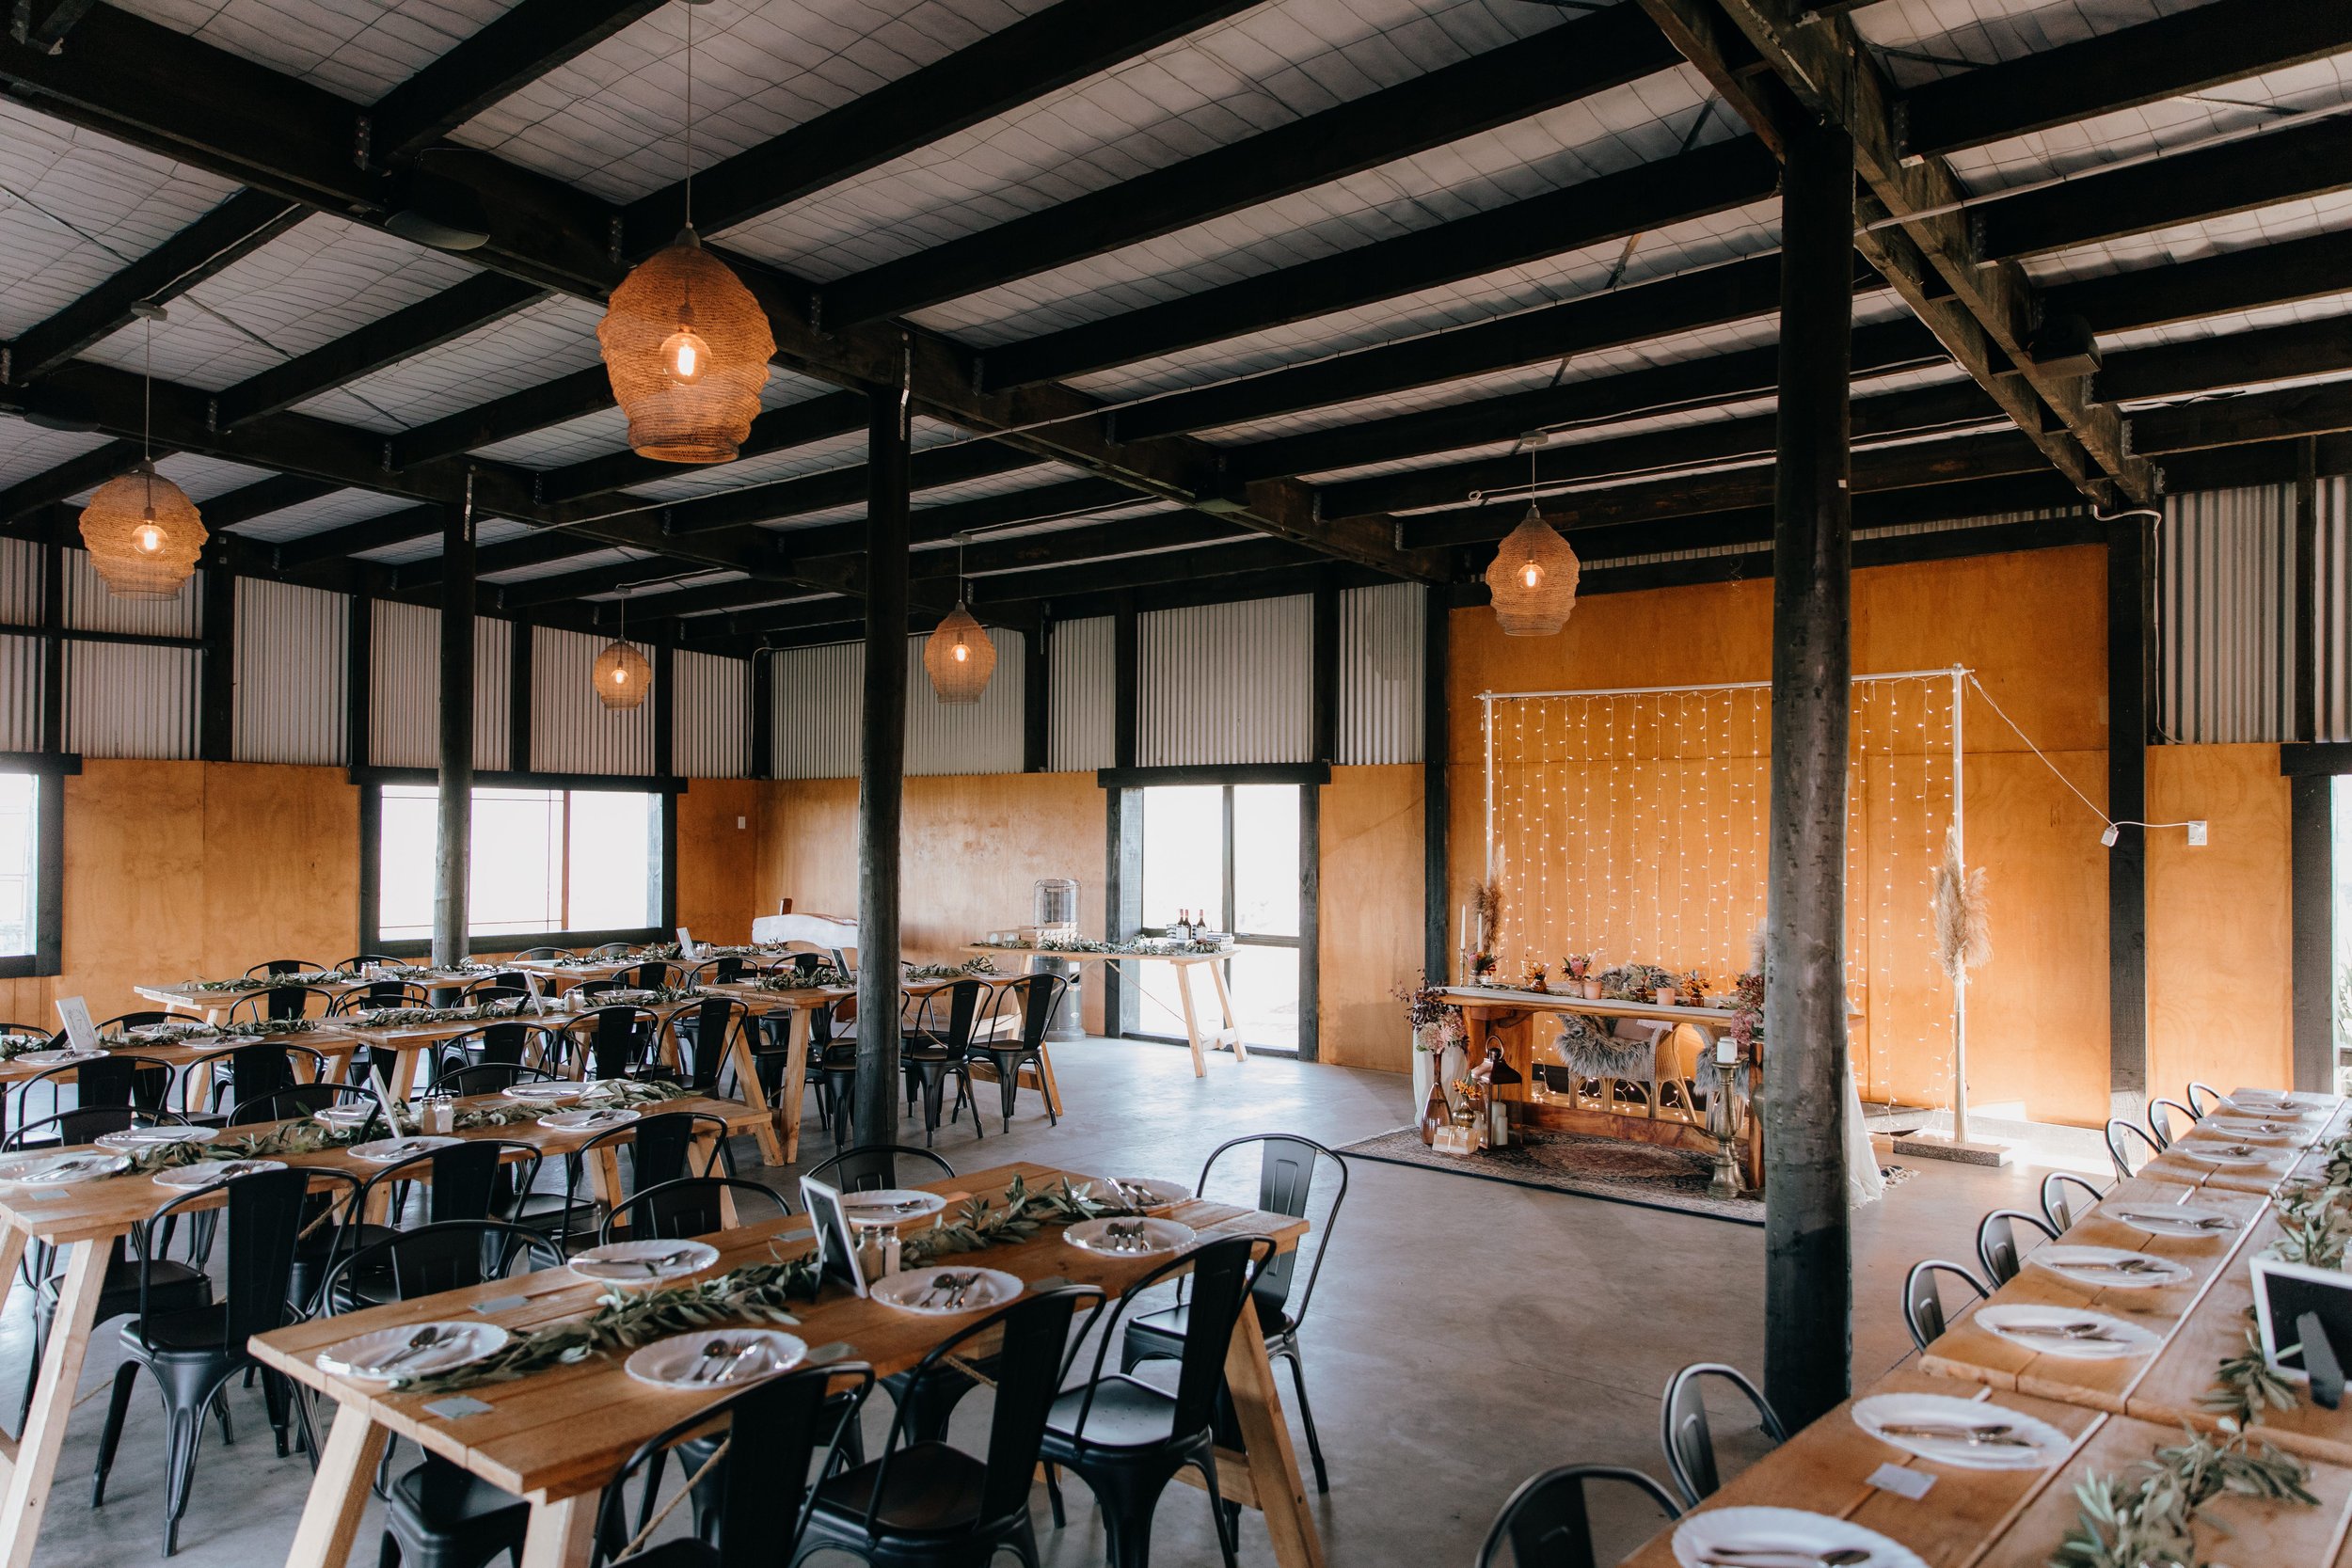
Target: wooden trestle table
[533,1442]
[84,1221]
[1227,1036]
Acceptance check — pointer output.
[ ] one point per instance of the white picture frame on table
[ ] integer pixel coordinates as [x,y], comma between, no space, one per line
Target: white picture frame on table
[2284,1290]
[79,1031]
[837,1244]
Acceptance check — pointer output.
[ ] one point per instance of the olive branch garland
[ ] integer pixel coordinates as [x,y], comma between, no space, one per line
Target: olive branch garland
[757,1292]
[2316,1225]
[2123,1523]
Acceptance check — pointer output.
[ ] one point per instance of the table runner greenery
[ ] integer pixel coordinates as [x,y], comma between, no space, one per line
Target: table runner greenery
[273,982]
[759,1293]
[1139,947]
[192,1031]
[2137,1522]
[978,966]
[406,1017]
[2315,1223]
[13,1046]
[642,954]
[802,980]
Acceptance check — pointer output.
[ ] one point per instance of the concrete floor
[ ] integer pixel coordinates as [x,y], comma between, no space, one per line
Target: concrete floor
[1465,1335]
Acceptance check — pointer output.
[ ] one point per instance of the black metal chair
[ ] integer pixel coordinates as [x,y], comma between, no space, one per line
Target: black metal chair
[653,974]
[540,954]
[705,1033]
[269,968]
[456,1076]
[192,1353]
[923,1502]
[938,1048]
[2055,1207]
[1029,1001]
[1287,1169]
[283,1002]
[1923,1306]
[124,1022]
[380,994]
[1688,1438]
[658,1148]
[118,1078]
[1996,1243]
[1548,1523]
[502,1044]
[2194,1090]
[1127,1438]
[436,1515]
[467,1181]
[481,994]
[876,1166]
[726,970]
[298,1099]
[611,1042]
[2122,1133]
[743,1498]
[236,1074]
[693,1206]
[359,961]
[2160,1112]
[610,950]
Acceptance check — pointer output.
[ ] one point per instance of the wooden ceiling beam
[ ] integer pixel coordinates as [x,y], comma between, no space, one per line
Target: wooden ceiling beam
[2234,280]
[2234,360]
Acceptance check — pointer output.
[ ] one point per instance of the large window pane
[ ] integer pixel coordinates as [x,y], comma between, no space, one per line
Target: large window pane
[1265,995]
[617,845]
[518,863]
[543,861]
[1184,854]
[1266,860]
[405,863]
[20,862]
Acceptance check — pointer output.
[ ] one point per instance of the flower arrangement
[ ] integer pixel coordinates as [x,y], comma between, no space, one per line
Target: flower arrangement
[1577,967]
[1634,982]
[1537,977]
[1690,989]
[1747,1013]
[1436,1023]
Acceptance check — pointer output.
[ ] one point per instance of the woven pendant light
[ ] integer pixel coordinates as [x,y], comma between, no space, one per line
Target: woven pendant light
[686,344]
[1532,580]
[143,535]
[959,657]
[621,674]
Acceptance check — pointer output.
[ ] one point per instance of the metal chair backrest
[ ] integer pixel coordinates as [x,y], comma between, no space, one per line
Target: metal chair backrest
[693,1206]
[1219,1276]
[1923,1308]
[540,954]
[465,1179]
[1546,1523]
[619,1037]
[726,970]
[945,1016]
[718,1022]
[283,966]
[1036,1331]
[129,1021]
[2121,1134]
[1287,1169]
[79,1126]
[359,961]
[2055,1207]
[282,1001]
[380,994]
[876,1166]
[484,1077]
[653,975]
[774,1428]
[243,1072]
[1996,1243]
[300,1100]
[264,1218]
[610,950]
[483,992]
[118,1078]
[506,1043]
[1688,1439]
[446,1255]
[2195,1089]
[2160,1114]
[1037,997]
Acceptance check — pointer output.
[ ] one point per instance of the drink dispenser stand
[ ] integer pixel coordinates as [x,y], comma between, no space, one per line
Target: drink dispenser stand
[1055,911]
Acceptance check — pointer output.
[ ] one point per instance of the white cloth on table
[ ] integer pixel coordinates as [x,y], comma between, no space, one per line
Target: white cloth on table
[1865,1182]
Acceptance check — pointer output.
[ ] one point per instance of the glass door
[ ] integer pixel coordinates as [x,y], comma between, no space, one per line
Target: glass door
[1225,854]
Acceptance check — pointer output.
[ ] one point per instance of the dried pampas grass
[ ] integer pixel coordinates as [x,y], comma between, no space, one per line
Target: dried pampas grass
[1963,936]
[1486,912]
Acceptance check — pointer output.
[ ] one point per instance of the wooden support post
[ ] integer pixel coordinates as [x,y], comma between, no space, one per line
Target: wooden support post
[452,857]
[1809,1285]
[882,758]
[518,679]
[1436,962]
[217,713]
[1037,698]
[2131,595]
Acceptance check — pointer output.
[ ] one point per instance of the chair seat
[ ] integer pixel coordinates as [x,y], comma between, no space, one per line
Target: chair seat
[198,1332]
[934,1490]
[437,1499]
[1162,1333]
[173,1288]
[1127,1412]
[683,1552]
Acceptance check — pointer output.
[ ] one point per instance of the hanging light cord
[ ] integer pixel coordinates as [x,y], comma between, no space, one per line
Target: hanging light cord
[689,113]
[2112,822]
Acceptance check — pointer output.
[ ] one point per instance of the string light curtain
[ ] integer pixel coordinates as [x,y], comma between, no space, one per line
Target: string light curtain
[1631,826]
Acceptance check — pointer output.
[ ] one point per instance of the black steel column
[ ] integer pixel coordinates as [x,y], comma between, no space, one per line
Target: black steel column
[453,858]
[2131,618]
[882,768]
[1808,1286]
[1037,697]
[216,712]
[1323,639]
[2303,681]
[763,725]
[519,684]
[359,680]
[2310,870]
[1436,956]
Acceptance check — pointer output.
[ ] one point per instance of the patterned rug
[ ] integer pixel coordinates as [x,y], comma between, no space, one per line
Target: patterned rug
[1612,1169]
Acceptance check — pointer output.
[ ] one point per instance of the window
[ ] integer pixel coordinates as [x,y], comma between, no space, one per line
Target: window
[31,858]
[1228,854]
[544,863]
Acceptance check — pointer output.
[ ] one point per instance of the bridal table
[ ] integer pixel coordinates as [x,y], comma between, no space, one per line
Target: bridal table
[84,1222]
[530,1440]
[1225,1037]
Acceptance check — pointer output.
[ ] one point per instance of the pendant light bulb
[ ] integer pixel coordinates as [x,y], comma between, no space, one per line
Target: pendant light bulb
[685,355]
[1532,575]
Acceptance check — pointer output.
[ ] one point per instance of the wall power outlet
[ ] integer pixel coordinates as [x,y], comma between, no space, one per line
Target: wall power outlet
[2196,836]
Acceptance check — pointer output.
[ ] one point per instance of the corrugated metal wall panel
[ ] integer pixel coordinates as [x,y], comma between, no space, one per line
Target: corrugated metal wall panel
[291,673]
[2333,605]
[571,732]
[405,687]
[819,697]
[1380,662]
[1226,683]
[2223,592]
[89,608]
[968,738]
[710,736]
[125,700]
[20,693]
[21,564]
[1080,676]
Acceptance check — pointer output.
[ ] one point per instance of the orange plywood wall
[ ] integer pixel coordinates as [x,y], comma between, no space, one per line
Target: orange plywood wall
[973,844]
[1371,914]
[2220,923]
[1683,780]
[718,860]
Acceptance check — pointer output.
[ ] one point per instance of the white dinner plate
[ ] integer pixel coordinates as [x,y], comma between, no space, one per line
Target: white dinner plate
[60,1169]
[644,1263]
[2266,1102]
[54,1056]
[589,1121]
[2253,1130]
[1131,1237]
[2098,1336]
[715,1357]
[542,1094]
[926,1290]
[2225,1153]
[211,1173]
[1144,1192]
[1759,1533]
[2174,1219]
[2107,1268]
[390,1353]
[130,1140]
[391,1151]
[888,1205]
[344,1115]
[1967,1434]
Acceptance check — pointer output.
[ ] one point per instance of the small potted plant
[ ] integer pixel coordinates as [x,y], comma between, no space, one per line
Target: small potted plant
[1537,978]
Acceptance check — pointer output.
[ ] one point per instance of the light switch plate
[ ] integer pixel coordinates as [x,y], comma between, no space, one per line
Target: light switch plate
[2196,836]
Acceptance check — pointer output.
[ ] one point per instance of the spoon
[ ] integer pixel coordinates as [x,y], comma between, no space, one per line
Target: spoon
[419,1342]
[1997,1436]
[712,1351]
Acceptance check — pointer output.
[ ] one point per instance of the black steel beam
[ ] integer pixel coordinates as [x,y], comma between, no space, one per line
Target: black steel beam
[550,402]
[261,497]
[1654,196]
[843,486]
[350,539]
[795,424]
[2237,359]
[44,24]
[1581,57]
[524,593]
[72,477]
[2214,285]
[2201,47]
[235,228]
[508,53]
